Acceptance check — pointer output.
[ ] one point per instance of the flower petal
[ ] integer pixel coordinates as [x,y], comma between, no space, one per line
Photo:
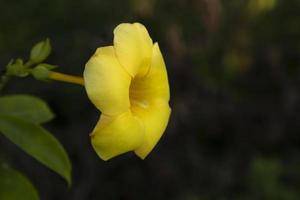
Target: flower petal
[116,135]
[133,47]
[154,86]
[106,82]
[154,110]
[155,120]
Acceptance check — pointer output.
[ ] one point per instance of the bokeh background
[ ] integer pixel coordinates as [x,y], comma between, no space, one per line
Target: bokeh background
[234,72]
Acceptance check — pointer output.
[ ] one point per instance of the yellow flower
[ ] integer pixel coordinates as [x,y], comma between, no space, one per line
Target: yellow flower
[128,83]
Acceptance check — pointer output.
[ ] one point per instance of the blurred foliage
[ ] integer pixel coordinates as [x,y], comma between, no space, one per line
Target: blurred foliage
[269,179]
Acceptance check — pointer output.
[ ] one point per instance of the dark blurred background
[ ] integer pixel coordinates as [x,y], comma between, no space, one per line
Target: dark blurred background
[234,72]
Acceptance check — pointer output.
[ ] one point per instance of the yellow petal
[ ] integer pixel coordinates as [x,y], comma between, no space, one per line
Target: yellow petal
[107,82]
[116,135]
[155,119]
[133,47]
[149,98]
[154,86]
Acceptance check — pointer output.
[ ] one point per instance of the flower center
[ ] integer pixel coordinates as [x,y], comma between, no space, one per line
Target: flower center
[138,94]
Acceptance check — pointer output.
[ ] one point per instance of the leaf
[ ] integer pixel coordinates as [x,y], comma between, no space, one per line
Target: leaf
[15,186]
[38,143]
[26,107]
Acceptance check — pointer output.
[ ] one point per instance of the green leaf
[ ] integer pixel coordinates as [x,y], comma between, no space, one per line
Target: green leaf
[38,143]
[26,107]
[15,186]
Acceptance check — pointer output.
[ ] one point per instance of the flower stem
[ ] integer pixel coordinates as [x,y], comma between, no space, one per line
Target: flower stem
[66,78]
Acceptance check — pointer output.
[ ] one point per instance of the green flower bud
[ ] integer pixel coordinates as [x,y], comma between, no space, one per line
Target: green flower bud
[40,72]
[40,51]
[17,69]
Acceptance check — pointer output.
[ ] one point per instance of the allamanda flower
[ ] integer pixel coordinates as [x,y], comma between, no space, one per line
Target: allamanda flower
[128,83]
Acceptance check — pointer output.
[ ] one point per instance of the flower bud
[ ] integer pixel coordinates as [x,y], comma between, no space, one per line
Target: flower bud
[40,51]
[17,68]
[40,73]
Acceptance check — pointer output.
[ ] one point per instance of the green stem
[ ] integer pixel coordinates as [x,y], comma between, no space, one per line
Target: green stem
[66,78]
[29,64]
[3,80]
